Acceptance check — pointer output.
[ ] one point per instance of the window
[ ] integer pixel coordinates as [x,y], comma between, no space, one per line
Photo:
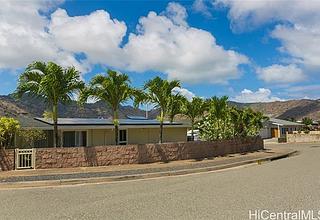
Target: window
[74,138]
[122,137]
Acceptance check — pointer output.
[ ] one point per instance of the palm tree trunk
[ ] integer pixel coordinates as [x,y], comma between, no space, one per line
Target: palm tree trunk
[171,119]
[116,126]
[161,127]
[55,125]
[192,128]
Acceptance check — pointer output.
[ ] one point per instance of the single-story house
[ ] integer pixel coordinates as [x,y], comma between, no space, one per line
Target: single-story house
[98,131]
[275,128]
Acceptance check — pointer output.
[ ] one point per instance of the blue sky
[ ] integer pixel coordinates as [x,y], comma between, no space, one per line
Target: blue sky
[255,51]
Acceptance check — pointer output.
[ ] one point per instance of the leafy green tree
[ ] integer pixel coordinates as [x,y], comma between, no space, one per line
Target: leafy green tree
[219,110]
[223,121]
[308,124]
[194,109]
[307,121]
[8,129]
[52,83]
[30,137]
[158,92]
[256,122]
[114,89]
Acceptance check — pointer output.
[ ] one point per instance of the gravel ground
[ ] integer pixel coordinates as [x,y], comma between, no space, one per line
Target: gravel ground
[290,184]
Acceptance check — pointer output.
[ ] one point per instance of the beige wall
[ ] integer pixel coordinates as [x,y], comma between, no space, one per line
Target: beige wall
[296,137]
[101,137]
[151,135]
[132,154]
[175,134]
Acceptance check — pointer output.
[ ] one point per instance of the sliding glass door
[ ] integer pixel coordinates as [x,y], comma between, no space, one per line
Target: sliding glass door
[74,138]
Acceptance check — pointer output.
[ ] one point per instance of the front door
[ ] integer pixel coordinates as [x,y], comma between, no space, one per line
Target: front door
[274,132]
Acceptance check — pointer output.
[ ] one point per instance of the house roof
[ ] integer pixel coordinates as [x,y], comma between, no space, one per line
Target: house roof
[26,122]
[281,122]
[102,122]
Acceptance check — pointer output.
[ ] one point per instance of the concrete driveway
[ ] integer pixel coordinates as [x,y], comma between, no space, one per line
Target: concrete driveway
[290,185]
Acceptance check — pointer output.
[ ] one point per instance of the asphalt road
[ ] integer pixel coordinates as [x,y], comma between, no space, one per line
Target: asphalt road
[290,185]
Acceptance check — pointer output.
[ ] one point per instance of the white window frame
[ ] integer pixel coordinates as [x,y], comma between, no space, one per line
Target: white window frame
[123,142]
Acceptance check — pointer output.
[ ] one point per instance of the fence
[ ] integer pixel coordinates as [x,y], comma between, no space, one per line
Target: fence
[45,158]
[25,158]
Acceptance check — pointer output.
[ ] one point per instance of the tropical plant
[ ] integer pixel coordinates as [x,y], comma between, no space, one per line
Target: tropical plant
[219,110]
[8,129]
[308,124]
[30,137]
[307,121]
[175,105]
[158,92]
[114,89]
[224,122]
[53,83]
[194,109]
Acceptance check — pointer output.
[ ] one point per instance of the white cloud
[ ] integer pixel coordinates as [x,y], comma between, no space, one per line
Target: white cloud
[303,91]
[261,95]
[184,92]
[301,43]
[162,42]
[23,38]
[96,35]
[281,74]
[177,13]
[299,31]
[201,7]
[185,53]
[250,14]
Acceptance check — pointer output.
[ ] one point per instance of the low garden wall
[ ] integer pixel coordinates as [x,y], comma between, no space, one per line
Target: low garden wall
[137,154]
[303,137]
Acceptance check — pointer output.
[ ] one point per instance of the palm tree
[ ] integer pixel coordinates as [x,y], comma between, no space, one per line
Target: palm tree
[219,108]
[175,104]
[114,89]
[194,109]
[246,122]
[257,121]
[51,82]
[158,92]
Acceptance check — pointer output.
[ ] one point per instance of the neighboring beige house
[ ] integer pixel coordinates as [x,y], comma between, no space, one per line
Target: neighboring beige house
[97,132]
[275,128]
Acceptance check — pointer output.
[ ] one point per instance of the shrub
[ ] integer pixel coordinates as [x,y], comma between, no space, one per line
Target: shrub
[8,128]
[30,136]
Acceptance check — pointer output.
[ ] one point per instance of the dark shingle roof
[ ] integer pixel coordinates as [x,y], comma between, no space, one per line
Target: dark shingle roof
[284,122]
[26,122]
[100,121]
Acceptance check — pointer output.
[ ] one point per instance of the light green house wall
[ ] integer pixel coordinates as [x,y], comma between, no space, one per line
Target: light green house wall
[98,137]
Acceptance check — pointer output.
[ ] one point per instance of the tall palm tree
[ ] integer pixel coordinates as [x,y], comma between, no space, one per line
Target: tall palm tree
[175,104]
[51,82]
[194,109]
[158,92]
[246,122]
[219,109]
[114,89]
[241,119]
[257,121]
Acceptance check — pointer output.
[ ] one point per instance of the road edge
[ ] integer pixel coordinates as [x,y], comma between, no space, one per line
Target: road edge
[81,181]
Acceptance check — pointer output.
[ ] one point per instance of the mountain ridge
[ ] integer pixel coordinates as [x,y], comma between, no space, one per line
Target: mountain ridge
[34,107]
